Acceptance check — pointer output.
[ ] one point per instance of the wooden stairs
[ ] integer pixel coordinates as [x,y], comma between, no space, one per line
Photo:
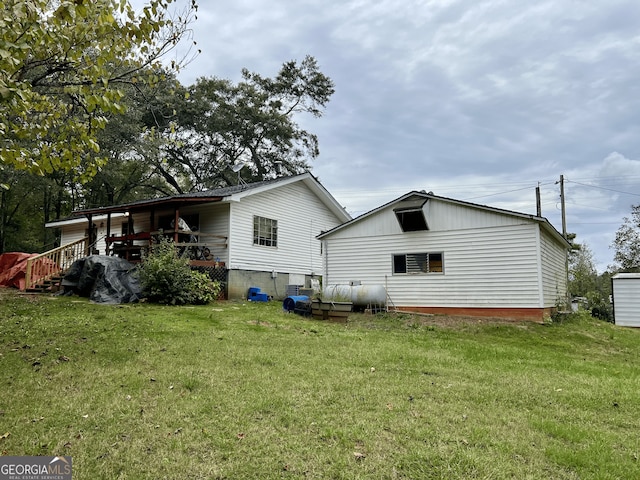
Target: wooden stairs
[44,272]
[47,285]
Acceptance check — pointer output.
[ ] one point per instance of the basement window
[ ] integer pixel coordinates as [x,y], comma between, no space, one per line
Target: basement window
[417,263]
[265,231]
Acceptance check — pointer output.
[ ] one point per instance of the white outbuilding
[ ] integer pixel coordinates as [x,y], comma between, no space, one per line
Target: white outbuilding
[626,299]
[444,256]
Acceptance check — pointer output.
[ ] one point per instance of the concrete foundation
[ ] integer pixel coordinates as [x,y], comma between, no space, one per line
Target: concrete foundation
[239,282]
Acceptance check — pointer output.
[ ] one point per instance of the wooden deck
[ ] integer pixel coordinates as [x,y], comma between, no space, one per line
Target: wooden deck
[46,270]
[198,245]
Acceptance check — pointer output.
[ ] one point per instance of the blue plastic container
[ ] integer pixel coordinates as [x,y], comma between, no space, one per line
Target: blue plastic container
[289,303]
[259,297]
[253,291]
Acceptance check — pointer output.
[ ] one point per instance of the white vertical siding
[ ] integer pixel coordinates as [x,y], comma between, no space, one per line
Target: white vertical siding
[301,216]
[626,299]
[483,267]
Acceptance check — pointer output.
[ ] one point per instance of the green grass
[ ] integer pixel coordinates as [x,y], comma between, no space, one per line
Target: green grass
[234,390]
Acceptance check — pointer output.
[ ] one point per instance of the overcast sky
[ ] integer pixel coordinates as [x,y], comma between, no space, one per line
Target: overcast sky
[477,100]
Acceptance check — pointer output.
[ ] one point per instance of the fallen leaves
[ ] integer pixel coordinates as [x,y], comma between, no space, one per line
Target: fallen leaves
[6,435]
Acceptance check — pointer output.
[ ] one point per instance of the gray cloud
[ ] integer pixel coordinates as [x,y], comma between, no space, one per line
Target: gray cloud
[473,99]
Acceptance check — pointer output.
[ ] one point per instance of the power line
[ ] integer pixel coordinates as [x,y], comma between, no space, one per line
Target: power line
[604,188]
[499,193]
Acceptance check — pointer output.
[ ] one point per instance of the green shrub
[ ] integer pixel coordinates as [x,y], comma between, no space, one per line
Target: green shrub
[599,306]
[167,278]
[202,289]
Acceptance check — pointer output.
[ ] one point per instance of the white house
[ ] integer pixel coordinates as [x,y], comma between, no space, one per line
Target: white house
[257,235]
[445,256]
[626,299]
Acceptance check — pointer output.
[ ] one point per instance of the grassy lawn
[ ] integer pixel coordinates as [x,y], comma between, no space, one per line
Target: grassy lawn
[235,390]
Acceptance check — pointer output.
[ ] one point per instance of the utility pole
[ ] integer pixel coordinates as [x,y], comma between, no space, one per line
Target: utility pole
[538,204]
[564,234]
[562,207]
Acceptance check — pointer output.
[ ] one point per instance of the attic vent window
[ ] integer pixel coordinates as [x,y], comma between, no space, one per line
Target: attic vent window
[410,213]
[411,219]
[416,263]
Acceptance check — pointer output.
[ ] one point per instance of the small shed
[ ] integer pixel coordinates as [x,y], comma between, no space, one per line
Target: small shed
[439,255]
[626,299]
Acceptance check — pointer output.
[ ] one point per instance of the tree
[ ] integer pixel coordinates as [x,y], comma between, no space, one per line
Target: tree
[129,172]
[25,206]
[582,271]
[627,243]
[62,63]
[219,125]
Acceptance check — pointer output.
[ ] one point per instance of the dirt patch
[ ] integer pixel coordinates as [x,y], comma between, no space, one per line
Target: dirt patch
[461,320]
[411,319]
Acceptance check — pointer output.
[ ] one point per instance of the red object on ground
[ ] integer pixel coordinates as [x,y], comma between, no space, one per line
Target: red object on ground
[13,269]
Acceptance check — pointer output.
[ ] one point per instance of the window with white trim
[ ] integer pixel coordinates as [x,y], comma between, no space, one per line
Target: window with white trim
[265,231]
[416,263]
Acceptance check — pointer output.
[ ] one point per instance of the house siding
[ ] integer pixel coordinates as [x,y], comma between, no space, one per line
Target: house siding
[493,266]
[441,217]
[78,231]
[554,271]
[73,233]
[301,216]
[214,220]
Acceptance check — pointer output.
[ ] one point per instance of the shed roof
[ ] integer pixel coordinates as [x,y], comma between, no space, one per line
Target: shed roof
[626,276]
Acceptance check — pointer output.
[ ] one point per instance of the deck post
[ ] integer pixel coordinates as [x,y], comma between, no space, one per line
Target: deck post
[108,245]
[175,225]
[90,236]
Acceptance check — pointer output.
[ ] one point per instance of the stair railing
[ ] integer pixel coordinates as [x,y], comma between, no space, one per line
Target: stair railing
[48,264]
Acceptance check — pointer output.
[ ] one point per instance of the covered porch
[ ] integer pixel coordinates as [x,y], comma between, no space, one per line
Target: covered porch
[141,224]
[130,230]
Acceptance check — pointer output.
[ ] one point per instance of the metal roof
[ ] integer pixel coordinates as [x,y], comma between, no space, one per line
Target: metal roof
[234,192]
[191,198]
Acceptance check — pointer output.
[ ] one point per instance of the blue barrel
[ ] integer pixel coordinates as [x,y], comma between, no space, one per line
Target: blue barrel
[289,303]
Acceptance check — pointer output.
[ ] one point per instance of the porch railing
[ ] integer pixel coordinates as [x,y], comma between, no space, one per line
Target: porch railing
[54,262]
